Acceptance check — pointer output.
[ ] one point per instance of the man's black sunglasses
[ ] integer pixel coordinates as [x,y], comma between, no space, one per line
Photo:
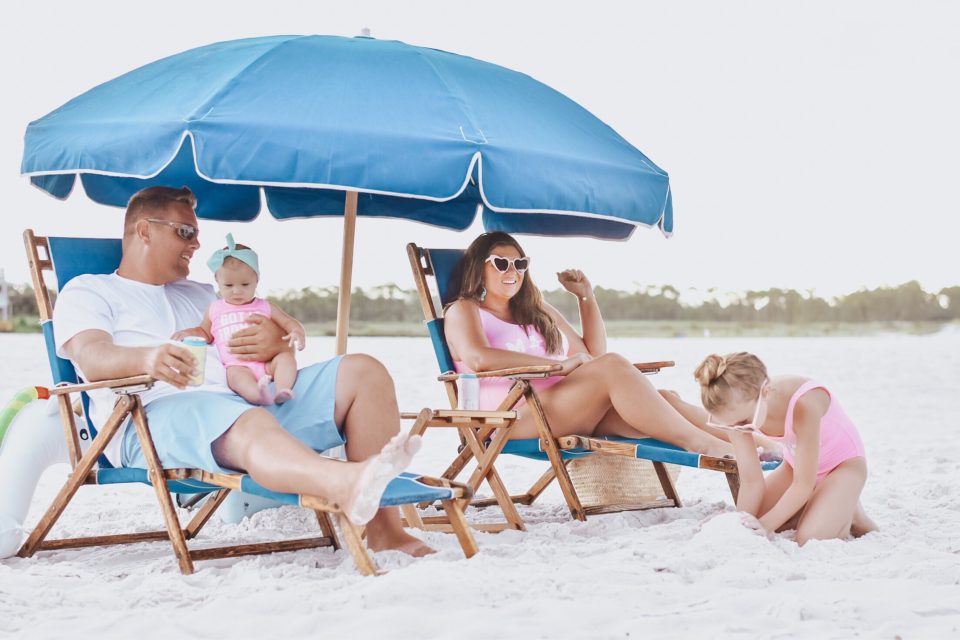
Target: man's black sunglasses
[186,231]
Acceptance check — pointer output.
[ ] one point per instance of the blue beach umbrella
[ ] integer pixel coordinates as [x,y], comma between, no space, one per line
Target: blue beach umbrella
[333,126]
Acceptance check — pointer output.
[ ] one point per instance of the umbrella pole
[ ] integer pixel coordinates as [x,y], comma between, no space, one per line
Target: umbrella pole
[346,270]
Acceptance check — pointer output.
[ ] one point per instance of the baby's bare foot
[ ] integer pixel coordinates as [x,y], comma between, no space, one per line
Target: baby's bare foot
[283,395]
[266,396]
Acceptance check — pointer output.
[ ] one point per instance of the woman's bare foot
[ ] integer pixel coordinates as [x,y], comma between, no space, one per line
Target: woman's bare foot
[861,524]
[720,449]
[376,473]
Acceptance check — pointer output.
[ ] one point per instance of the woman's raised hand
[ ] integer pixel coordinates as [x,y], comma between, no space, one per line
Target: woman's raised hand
[574,281]
[573,362]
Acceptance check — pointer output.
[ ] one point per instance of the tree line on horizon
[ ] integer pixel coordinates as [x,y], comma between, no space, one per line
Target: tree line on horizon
[907,302]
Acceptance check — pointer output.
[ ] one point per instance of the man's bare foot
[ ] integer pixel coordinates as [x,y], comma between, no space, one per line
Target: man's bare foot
[376,474]
[400,541]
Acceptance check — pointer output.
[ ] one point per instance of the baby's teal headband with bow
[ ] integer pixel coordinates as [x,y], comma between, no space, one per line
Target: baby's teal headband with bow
[246,256]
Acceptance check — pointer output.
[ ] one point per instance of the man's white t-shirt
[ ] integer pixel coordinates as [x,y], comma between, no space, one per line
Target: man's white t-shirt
[136,315]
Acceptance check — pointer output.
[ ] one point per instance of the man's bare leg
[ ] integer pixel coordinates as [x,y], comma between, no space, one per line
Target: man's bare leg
[366,409]
[258,445]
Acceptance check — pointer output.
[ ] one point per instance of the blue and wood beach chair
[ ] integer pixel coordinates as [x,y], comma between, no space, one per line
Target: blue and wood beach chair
[70,257]
[487,436]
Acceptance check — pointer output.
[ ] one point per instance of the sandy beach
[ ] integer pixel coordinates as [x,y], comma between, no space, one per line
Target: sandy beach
[693,571]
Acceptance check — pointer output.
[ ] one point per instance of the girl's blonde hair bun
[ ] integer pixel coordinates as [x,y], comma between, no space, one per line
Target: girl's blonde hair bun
[710,369]
[723,377]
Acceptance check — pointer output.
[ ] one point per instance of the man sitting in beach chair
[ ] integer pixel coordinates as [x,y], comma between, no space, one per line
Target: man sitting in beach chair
[118,325]
[568,395]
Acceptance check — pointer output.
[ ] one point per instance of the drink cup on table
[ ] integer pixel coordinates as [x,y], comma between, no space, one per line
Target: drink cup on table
[469,394]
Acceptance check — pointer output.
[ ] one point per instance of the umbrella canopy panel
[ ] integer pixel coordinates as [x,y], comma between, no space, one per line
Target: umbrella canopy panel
[419,133]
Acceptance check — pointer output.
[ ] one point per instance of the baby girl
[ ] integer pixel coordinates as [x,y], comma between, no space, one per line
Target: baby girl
[237,273]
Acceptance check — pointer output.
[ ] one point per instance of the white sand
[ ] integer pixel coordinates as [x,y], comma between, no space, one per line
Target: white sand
[665,573]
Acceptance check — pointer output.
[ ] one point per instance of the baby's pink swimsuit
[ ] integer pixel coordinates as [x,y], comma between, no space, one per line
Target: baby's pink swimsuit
[512,337]
[839,440]
[225,320]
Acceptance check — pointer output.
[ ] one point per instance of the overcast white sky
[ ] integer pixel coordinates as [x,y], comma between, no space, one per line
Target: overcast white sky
[811,145]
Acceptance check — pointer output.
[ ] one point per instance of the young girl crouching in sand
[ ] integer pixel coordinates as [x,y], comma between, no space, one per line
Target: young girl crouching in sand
[817,488]
[237,272]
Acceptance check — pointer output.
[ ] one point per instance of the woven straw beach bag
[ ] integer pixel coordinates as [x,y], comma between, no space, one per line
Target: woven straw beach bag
[612,481]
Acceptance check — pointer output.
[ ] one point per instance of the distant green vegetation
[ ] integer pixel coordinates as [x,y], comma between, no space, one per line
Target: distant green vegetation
[659,311]
[389,310]
[670,329]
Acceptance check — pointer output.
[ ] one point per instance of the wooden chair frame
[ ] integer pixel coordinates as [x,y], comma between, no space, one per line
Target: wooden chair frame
[476,429]
[129,404]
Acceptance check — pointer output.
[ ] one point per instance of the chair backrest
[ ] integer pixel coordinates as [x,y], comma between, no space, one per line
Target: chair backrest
[67,258]
[73,257]
[445,267]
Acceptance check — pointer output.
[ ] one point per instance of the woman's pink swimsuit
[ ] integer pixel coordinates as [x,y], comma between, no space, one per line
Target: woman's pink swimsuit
[225,320]
[512,337]
[839,439]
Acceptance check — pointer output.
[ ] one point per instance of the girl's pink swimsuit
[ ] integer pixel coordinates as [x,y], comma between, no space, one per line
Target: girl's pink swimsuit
[839,439]
[512,337]
[225,320]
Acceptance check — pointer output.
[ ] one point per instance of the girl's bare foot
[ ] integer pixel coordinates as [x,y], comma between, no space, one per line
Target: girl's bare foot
[376,474]
[283,395]
[861,524]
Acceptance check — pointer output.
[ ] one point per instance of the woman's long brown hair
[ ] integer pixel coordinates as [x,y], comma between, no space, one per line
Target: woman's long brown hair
[527,306]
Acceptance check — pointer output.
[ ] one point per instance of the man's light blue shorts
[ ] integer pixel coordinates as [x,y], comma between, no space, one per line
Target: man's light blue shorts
[185,425]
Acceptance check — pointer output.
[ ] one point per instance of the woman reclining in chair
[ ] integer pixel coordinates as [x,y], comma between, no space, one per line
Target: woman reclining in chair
[501,320]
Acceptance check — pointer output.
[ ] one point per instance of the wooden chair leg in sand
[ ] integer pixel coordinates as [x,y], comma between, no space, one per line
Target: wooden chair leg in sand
[475,428]
[733,480]
[486,456]
[666,482]
[79,477]
[205,513]
[727,466]
[550,447]
[527,498]
[461,528]
[155,473]
[327,529]
[354,541]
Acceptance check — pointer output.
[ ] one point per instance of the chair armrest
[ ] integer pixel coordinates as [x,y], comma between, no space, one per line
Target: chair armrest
[653,367]
[453,417]
[532,371]
[120,385]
